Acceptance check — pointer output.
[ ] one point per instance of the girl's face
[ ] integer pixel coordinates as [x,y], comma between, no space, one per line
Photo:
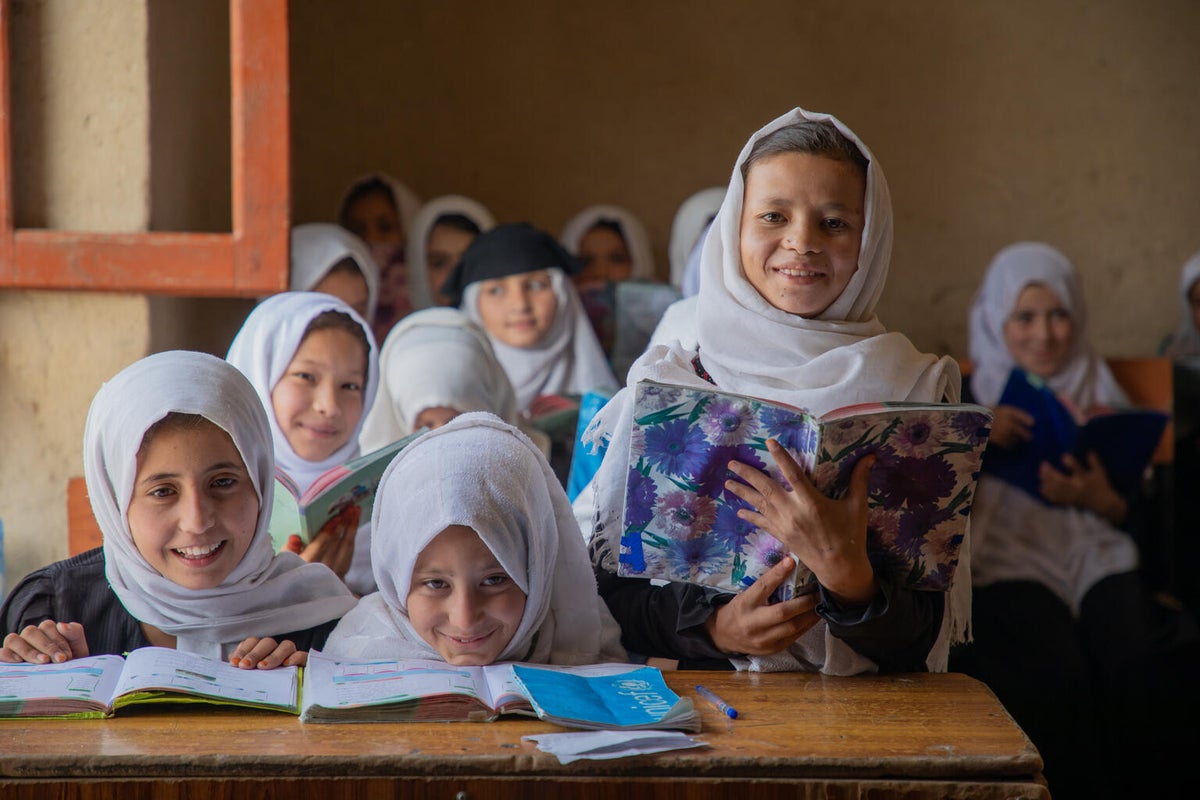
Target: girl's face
[801,229]
[349,287]
[434,417]
[373,218]
[518,309]
[461,601]
[1039,332]
[194,508]
[605,257]
[442,251]
[319,400]
[1194,303]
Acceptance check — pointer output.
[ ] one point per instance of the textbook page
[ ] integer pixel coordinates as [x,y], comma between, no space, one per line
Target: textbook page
[159,673]
[81,686]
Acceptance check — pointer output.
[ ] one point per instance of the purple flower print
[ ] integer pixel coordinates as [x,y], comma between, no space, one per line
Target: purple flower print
[766,550]
[919,434]
[915,523]
[699,555]
[656,398]
[729,529]
[728,422]
[912,482]
[710,480]
[639,500]
[675,448]
[683,514]
[971,428]
[790,430]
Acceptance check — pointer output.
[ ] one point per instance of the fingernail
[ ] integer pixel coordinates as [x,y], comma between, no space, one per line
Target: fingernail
[60,657]
[42,658]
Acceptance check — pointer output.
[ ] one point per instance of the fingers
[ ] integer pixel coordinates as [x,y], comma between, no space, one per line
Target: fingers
[759,592]
[72,632]
[263,653]
[39,644]
[860,479]
[242,649]
[295,544]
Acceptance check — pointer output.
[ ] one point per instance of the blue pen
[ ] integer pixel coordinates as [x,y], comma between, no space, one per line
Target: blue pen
[717,702]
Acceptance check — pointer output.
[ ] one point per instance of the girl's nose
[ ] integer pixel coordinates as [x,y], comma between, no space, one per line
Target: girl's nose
[195,513]
[801,237]
[464,609]
[325,399]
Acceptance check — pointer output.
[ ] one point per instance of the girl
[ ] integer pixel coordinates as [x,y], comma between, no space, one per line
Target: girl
[441,231]
[1063,629]
[1185,342]
[482,563]
[791,272]
[313,362]
[378,209]
[330,259]
[177,457]
[611,245]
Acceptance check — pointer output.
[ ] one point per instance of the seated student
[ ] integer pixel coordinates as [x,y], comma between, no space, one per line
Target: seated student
[1185,341]
[482,563]
[329,259]
[610,244]
[378,209]
[513,282]
[177,457]
[1064,632]
[439,233]
[313,362]
[791,272]
[436,364]
[688,229]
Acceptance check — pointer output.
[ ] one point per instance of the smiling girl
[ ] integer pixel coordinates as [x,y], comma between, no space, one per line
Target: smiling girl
[177,457]
[313,362]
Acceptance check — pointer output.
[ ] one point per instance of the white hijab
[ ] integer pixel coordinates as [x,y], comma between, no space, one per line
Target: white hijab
[266,594]
[1185,342]
[691,221]
[479,472]
[407,201]
[264,347]
[318,246]
[567,360]
[641,255]
[420,293]
[1084,380]
[435,357]
[749,347]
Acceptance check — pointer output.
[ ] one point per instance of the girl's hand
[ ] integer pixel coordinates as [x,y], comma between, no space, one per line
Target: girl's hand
[266,653]
[750,624]
[1011,426]
[1083,486]
[47,642]
[333,545]
[829,536]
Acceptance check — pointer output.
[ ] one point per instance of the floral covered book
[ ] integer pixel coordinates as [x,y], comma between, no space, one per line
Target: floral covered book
[681,524]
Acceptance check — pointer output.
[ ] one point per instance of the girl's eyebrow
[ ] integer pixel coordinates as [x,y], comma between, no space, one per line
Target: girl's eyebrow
[218,467]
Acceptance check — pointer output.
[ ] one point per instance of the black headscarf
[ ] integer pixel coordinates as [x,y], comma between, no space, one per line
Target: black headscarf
[507,250]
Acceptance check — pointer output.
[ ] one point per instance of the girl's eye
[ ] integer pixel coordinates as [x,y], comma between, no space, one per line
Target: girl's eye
[772,217]
[304,376]
[434,584]
[351,386]
[496,580]
[224,482]
[836,224]
[538,285]
[161,492]
[1023,317]
[1059,314]
[493,291]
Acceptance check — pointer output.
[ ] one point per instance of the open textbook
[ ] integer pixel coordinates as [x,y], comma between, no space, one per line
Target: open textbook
[1123,438]
[601,696]
[99,686]
[344,494]
[681,524]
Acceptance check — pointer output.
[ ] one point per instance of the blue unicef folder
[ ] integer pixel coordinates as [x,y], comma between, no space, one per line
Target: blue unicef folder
[635,700]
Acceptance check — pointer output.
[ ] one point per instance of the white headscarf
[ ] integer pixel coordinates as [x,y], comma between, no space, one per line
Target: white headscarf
[318,246]
[479,472]
[264,347]
[420,293]
[1185,342]
[266,594]
[567,360]
[435,357]
[691,221]
[407,201]
[749,347]
[637,242]
[1084,380]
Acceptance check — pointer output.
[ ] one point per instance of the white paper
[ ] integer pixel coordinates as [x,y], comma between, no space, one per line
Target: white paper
[602,745]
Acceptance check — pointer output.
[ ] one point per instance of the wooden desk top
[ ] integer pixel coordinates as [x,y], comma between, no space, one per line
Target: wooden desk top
[791,726]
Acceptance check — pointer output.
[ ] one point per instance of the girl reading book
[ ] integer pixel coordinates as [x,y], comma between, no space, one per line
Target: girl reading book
[313,362]
[439,234]
[179,468]
[477,558]
[791,271]
[330,259]
[1064,631]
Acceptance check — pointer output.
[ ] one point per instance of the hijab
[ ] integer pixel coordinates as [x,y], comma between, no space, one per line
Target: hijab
[420,293]
[841,357]
[435,357]
[487,476]
[318,246]
[568,359]
[264,347]
[1084,380]
[691,222]
[1185,341]
[641,256]
[406,200]
[266,593]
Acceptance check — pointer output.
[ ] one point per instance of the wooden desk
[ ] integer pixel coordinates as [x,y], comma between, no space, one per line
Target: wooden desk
[799,736]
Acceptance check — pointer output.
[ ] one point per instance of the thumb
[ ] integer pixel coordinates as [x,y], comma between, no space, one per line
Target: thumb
[73,633]
[760,591]
[860,480]
[294,544]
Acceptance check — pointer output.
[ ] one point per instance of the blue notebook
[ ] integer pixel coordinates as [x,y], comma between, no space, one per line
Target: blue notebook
[635,700]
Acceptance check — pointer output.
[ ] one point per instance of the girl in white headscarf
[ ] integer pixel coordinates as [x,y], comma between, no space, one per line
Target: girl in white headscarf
[691,223]
[477,558]
[610,244]
[328,258]
[438,235]
[177,457]
[1064,631]
[312,359]
[1185,342]
[791,272]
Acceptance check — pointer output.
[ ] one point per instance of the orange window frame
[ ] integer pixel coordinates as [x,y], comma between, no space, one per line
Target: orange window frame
[249,261]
